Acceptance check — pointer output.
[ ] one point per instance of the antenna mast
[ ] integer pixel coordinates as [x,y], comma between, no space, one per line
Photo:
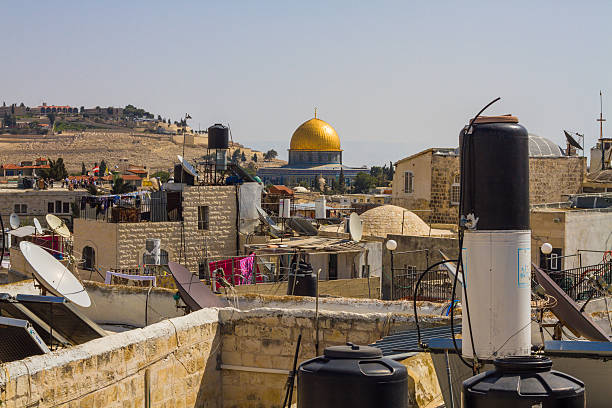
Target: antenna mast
[601,119]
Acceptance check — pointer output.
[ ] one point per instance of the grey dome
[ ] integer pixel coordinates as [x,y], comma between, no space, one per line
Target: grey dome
[542,147]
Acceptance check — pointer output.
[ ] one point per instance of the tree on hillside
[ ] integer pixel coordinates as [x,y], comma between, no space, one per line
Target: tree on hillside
[82,109]
[92,189]
[56,170]
[254,158]
[120,186]
[159,118]
[21,105]
[83,169]
[243,158]
[102,168]
[363,183]
[110,110]
[51,117]
[270,154]
[164,176]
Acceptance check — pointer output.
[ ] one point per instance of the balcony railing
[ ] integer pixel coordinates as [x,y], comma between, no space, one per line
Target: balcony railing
[157,207]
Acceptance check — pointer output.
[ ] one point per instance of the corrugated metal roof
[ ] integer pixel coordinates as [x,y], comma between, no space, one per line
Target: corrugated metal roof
[407,341]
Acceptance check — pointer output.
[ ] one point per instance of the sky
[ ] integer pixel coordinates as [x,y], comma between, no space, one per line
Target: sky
[393,78]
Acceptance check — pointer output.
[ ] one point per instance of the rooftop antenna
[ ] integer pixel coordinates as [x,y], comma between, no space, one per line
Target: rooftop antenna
[601,120]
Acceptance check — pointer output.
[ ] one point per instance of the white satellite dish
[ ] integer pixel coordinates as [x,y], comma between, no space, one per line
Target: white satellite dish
[37,225]
[187,166]
[355,227]
[57,225]
[54,276]
[14,221]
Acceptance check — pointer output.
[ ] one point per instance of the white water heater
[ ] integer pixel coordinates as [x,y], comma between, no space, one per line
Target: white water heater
[153,251]
[284,208]
[320,208]
[496,251]
[497,267]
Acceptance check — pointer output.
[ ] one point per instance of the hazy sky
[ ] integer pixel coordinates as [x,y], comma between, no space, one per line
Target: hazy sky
[391,77]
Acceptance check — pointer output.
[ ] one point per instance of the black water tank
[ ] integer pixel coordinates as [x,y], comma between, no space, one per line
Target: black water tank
[218,137]
[352,376]
[495,173]
[302,280]
[181,176]
[518,382]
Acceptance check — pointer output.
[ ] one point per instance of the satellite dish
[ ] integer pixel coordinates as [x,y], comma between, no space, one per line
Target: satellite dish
[187,166]
[302,226]
[194,293]
[54,276]
[572,141]
[57,225]
[14,221]
[355,227]
[275,231]
[38,227]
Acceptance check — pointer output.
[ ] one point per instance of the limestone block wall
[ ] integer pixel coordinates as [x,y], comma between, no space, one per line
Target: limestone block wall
[552,178]
[36,201]
[350,288]
[172,362]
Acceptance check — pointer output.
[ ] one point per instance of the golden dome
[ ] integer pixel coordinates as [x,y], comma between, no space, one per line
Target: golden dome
[315,134]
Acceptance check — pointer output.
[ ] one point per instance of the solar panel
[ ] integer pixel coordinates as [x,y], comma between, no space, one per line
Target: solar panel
[10,307]
[19,340]
[194,293]
[64,318]
[302,226]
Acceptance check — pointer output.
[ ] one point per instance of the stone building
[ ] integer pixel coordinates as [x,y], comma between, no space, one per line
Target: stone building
[208,229]
[429,181]
[314,153]
[38,203]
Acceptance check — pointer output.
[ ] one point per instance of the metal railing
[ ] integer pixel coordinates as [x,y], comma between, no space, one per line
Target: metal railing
[575,281]
[129,210]
[436,285]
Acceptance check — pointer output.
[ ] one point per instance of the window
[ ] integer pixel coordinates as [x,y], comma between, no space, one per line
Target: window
[455,191]
[89,258]
[66,208]
[203,217]
[21,208]
[50,207]
[408,182]
[552,262]
[333,267]
[58,206]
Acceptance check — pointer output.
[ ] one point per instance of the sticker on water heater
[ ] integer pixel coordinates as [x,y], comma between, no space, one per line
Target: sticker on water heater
[523,267]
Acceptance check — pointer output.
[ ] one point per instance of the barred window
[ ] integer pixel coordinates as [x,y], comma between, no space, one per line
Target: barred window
[203,217]
[408,182]
[455,191]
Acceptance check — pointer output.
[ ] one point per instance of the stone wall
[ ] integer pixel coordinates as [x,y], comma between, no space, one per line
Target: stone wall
[37,203]
[350,288]
[172,362]
[552,179]
[122,245]
[221,358]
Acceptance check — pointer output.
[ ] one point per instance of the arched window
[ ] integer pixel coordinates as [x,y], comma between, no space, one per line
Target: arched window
[89,257]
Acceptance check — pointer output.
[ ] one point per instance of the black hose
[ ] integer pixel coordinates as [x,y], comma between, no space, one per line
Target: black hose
[416,291]
[3,241]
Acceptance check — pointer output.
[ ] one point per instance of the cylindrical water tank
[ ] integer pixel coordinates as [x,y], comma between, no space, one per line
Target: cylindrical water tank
[284,207]
[497,266]
[302,280]
[352,376]
[320,210]
[218,137]
[523,382]
[495,174]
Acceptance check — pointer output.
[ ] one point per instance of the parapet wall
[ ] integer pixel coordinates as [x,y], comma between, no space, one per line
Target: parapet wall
[350,288]
[222,358]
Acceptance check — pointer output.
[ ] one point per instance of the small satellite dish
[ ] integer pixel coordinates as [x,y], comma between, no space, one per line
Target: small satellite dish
[57,225]
[37,225]
[14,221]
[187,166]
[302,226]
[355,227]
[275,231]
[571,140]
[54,276]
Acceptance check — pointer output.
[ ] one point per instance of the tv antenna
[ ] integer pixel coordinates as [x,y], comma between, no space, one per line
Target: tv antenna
[601,119]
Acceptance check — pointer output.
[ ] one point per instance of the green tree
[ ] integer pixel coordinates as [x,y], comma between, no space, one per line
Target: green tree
[56,170]
[102,168]
[51,117]
[82,109]
[363,183]
[120,186]
[164,176]
[270,154]
[243,158]
[341,182]
[83,169]
[236,156]
[254,158]
[159,118]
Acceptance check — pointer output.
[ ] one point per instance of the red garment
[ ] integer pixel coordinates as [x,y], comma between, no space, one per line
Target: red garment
[233,272]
